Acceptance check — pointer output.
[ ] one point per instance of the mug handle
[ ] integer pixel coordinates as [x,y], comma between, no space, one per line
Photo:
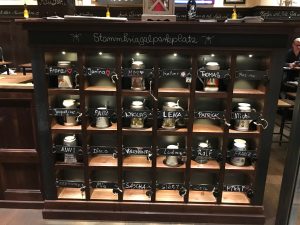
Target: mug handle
[77,80]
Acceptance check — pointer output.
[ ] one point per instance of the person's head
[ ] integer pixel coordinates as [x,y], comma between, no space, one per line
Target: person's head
[296,45]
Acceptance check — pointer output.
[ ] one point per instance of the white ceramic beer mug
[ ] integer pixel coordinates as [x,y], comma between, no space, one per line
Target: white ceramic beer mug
[170,123]
[172,160]
[239,146]
[102,121]
[70,120]
[137,122]
[70,141]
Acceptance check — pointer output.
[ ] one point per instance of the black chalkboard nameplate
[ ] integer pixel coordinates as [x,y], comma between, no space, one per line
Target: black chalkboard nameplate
[137,72]
[69,183]
[102,150]
[206,152]
[174,152]
[175,73]
[218,74]
[57,71]
[99,71]
[136,150]
[136,113]
[172,114]
[137,185]
[100,112]
[67,149]
[136,39]
[212,115]
[103,184]
[246,154]
[276,15]
[170,186]
[64,112]
[252,74]
[202,187]
[235,188]
[56,7]
[244,115]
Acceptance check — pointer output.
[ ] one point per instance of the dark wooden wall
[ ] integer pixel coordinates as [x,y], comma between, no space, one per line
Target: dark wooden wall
[20,181]
[14,42]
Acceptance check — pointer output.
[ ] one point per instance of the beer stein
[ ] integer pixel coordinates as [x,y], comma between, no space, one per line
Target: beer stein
[137,122]
[211,84]
[70,141]
[170,123]
[243,125]
[202,159]
[137,81]
[70,120]
[238,146]
[102,121]
[172,160]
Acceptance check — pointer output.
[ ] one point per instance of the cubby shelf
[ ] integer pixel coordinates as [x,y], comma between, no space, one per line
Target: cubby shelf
[136,161]
[70,193]
[135,195]
[210,165]
[235,198]
[62,165]
[102,160]
[110,129]
[202,197]
[232,56]
[103,194]
[168,196]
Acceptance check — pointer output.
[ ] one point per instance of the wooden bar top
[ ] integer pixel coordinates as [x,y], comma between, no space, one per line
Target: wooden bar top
[16,81]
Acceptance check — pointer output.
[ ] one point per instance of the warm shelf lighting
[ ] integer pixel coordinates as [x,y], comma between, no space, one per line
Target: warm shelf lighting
[100,53]
[63,52]
[250,55]
[212,55]
[137,54]
[175,54]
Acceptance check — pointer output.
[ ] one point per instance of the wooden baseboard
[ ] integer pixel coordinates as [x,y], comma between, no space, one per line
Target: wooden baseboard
[156,212]
[21,204]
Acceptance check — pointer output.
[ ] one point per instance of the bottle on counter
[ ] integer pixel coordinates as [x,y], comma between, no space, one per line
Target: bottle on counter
[234,14]
[191,10]
[26,12]
[107,12]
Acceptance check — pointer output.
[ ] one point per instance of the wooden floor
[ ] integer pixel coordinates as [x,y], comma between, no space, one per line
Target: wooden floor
[276,165]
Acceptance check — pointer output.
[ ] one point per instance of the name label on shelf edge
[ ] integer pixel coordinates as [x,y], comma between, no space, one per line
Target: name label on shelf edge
[202,187]
[172,114]
[136,113]
[64,112]
[251,74]
[67,149]
[137,185]
[136,150]
[137,72]
[207,152]
[218,74]
[244,115]
[170,186]
[175,73]
[246,154]
[236,188]
[212,115]
[100,112]
[69,183]
[171,152]
[98,71]
[103,184]
[102,150]
[56,71]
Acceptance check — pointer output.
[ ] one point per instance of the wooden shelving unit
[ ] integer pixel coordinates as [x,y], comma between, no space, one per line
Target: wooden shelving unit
[189,192]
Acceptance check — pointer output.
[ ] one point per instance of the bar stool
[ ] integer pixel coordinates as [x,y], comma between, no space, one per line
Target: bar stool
[284,106]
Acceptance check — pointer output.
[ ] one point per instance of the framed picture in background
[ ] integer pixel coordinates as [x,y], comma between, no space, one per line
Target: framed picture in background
[234,1]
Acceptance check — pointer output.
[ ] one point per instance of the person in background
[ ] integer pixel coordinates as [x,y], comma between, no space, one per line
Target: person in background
[293,61]
[291,69]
